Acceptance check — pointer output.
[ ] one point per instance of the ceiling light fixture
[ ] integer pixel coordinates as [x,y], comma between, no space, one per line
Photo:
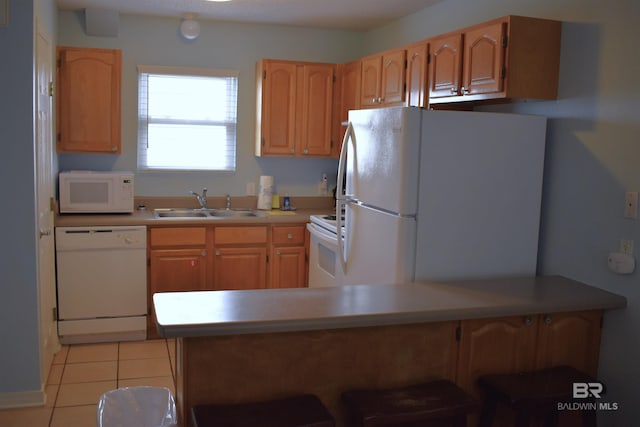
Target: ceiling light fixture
[190,28]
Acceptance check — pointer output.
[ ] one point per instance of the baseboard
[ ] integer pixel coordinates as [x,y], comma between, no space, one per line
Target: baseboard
[22,399]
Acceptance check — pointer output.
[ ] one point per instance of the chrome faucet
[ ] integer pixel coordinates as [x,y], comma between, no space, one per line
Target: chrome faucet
[202,199]
[228,202]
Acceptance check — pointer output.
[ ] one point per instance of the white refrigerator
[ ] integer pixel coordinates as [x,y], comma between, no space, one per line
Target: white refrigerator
[436,195]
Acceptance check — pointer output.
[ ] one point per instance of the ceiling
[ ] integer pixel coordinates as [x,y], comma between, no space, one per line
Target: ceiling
[356,15]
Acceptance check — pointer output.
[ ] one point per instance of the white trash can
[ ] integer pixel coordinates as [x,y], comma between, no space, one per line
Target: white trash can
[137,407]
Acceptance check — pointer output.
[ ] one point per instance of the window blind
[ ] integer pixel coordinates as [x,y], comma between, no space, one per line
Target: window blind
[187,119]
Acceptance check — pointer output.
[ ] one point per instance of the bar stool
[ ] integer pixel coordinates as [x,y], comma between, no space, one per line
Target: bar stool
[296,411]
[534,395]
[436,403]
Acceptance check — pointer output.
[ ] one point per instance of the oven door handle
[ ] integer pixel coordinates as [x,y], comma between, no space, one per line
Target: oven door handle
[323,235]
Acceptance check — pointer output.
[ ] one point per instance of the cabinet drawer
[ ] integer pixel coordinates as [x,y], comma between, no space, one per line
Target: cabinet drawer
[240,235]
[284,235]
[178,236]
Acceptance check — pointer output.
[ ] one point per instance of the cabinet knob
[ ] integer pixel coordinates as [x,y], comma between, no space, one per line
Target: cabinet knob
[114,148]
[528,321]
[292,151]
[305,151]
[548,319]
[277,252]
[465,91]
[203,253]
[454,90]
[217,253]
[289,236]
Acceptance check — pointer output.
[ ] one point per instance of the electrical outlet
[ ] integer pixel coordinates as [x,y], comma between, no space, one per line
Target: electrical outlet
[631,205]
[626,247]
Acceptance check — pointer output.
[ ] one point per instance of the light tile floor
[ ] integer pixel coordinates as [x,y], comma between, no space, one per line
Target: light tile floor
[81,373]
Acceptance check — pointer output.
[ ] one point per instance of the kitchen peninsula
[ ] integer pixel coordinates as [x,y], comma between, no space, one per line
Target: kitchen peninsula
[239,346]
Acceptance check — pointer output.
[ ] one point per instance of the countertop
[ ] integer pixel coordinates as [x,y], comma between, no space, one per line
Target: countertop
[215,313]
[305,206]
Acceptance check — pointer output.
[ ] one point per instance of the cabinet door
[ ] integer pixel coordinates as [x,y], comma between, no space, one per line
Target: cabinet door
[484,59]
[393,77]
[570,339]
[370,81]
[494,346]
[445,66]
[417,65]
[317,109]
[350,75]
[278,108]
[88,100]
[240,268]
[288,267]
[174,270]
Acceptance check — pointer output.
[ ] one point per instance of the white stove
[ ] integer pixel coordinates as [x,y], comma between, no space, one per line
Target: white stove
[324,265]
[327,222]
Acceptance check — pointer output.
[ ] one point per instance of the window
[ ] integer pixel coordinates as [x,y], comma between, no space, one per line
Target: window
[187,119]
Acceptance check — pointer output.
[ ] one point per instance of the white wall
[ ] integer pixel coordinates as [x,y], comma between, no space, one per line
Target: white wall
[155,41]
[593,155]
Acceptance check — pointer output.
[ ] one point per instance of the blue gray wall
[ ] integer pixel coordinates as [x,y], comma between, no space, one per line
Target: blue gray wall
[156,41]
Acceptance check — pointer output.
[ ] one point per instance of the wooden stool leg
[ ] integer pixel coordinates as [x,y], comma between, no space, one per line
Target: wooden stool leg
[488,412]
[589,418]
[551,419]
[522,418]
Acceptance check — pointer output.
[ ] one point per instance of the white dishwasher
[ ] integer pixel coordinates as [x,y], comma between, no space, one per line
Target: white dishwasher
[102,283]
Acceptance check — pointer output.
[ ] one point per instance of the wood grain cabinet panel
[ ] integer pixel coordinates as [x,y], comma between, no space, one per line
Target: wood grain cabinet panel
[417,78]
[383,79]
[295,106]
[506,58]
[88,100]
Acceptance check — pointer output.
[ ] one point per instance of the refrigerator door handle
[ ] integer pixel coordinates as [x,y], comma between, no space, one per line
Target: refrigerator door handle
[341,201]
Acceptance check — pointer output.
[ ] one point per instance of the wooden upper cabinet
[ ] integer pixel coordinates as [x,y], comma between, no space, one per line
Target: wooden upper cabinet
[88,100]
[445,66]
[484,59]
[383,79]
[417,66]
[294,108]
[348,98]
[394,64]
[316,109]
[509,57]
[276,107]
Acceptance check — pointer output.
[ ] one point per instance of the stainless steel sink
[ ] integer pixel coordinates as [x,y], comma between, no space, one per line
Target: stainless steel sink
[205,213]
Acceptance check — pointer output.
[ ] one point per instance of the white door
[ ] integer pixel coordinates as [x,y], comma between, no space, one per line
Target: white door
[44,190]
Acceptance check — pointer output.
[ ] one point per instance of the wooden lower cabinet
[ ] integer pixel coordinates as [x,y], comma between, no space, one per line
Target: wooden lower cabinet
[288,257]
[178,261]
[240,268]
[495,346]
[225,257]
[570,339]
[526,343]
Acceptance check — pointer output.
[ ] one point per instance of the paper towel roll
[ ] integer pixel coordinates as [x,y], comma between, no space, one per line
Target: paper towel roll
[266,181]
[266,192]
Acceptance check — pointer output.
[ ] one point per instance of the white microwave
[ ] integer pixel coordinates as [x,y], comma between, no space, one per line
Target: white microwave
[95,192]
